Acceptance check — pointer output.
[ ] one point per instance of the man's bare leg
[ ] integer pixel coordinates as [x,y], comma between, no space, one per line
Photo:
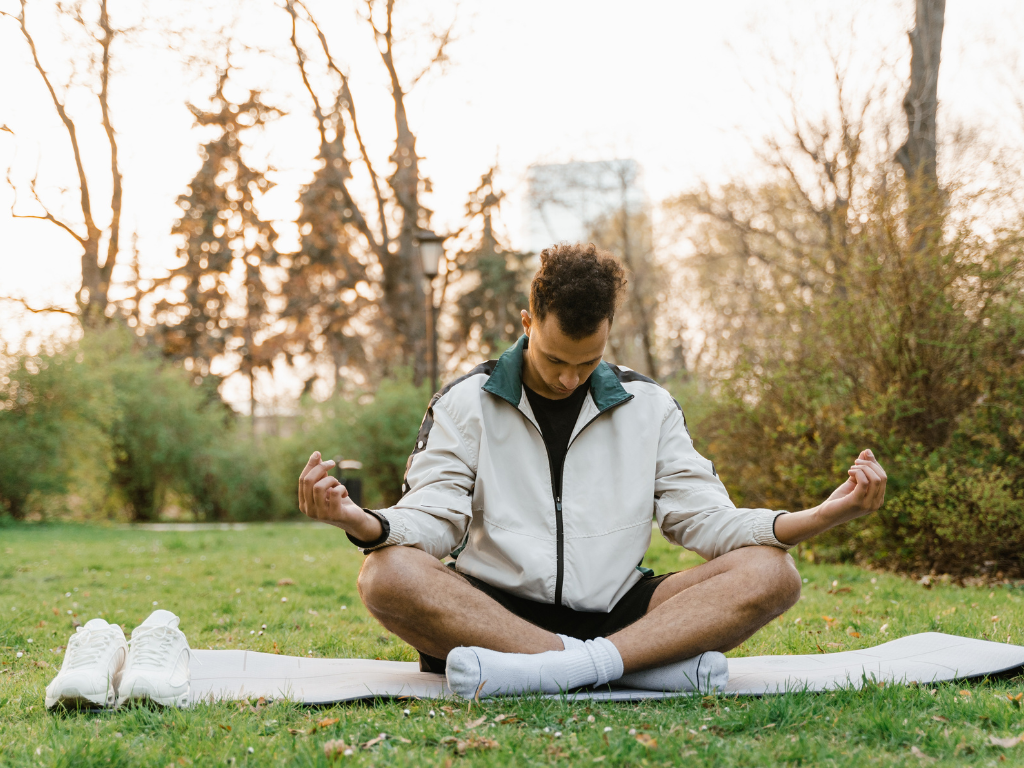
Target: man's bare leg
[712,607]
[434,609]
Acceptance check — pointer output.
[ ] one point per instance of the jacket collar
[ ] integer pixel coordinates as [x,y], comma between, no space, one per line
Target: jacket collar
[506,380]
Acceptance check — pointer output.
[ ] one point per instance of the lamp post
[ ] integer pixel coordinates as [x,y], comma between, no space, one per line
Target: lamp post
[431,246]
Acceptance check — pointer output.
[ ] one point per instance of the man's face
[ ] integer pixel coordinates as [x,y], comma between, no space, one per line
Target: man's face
[555,363]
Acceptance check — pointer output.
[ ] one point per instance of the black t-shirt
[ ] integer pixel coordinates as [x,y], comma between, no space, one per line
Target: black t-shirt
[557,419]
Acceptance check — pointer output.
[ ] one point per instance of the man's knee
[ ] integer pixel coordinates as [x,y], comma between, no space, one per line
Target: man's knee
[391,574]
[777,579]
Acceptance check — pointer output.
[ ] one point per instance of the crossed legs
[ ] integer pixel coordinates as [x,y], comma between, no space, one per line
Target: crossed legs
[712,607]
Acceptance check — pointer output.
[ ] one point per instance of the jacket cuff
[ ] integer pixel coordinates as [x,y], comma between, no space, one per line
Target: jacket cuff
[394,533]
[764,530]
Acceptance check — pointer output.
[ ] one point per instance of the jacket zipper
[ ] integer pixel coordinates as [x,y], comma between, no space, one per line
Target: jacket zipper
[559,527]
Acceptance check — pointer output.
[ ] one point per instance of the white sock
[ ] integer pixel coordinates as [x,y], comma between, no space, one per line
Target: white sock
[703,673]
[472,671]
[570,643]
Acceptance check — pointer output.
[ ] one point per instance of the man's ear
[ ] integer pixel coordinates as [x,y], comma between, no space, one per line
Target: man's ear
[527,320]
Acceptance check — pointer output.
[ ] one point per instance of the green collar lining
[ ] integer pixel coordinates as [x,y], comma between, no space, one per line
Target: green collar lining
[506,380]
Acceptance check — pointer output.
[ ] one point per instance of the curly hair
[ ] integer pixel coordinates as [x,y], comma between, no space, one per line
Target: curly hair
[581,284]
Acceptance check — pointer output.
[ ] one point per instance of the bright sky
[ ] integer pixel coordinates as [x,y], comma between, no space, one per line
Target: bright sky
[685,87]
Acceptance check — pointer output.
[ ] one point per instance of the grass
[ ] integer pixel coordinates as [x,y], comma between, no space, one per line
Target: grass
[226,585]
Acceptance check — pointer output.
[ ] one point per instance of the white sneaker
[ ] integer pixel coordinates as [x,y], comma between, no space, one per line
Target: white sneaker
[91,669]
[157,666]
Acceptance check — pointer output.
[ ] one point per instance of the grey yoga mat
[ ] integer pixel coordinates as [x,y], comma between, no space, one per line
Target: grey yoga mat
[924,658]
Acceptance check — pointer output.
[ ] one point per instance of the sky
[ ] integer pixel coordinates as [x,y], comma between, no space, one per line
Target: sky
[685,87]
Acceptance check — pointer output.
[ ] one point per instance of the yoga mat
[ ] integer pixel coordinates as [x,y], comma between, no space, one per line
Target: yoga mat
[925,658]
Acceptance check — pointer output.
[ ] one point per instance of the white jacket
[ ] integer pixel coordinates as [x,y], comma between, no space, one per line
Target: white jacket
[479,477]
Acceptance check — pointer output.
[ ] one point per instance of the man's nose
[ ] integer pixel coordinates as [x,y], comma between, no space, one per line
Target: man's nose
[569,380]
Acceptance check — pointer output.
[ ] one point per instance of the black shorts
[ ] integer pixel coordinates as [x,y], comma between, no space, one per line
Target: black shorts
[584,625]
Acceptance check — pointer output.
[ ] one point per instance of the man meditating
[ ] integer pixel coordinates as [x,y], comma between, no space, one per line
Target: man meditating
[540,473]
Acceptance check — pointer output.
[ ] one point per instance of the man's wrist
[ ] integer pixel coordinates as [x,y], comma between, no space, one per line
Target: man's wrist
[374,533]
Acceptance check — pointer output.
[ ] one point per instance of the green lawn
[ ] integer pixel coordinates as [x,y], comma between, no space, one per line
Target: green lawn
[225,586]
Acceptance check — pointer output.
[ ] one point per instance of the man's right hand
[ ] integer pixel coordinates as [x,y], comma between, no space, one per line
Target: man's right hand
[323,497]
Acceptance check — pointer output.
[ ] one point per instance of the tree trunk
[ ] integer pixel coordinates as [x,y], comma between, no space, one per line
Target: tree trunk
[918,155]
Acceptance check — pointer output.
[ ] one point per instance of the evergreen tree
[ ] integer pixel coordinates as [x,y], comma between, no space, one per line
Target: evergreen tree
[227,251]
[486,312]
[329,304]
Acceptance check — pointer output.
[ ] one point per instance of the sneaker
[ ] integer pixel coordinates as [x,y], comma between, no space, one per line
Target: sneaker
[157,666]
[92,667]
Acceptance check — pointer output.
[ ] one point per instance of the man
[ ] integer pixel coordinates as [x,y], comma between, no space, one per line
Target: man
[540,473]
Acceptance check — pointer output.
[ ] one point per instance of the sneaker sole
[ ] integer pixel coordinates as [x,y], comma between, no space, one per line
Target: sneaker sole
[180,701]
[75,700]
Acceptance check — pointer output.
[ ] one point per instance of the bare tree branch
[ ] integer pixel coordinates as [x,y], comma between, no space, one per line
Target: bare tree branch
[346,94]
[115,174]
[38,310]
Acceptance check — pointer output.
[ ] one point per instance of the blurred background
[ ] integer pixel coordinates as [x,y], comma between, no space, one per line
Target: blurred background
[233,233]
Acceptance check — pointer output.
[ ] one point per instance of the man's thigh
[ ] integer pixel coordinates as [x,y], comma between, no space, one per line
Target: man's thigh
[745,558]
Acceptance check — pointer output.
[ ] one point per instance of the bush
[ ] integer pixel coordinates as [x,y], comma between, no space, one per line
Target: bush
[117,424]
[54,415]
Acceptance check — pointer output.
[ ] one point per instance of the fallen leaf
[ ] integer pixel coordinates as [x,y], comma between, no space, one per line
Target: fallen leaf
[834,645]
[647,740]
[965,693]
[473,724]
[327,721]
[920,755]
[475,742]
[852,632]
[285,583]
[1012,741]
[374,742]
[40,664]
[499,718]
[336,748]
[225,727]
[940,719]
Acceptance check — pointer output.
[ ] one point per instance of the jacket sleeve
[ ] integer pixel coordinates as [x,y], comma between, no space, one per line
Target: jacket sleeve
[435,511]
[691,505]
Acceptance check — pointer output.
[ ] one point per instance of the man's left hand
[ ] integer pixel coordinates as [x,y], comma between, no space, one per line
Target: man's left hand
[861,494]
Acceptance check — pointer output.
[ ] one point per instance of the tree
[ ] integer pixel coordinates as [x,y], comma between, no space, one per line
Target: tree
[381,239]
[100,244]
[227,253]
[491,283]
[919,153]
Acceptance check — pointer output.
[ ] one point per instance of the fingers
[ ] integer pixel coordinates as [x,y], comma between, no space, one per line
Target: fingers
[314,459]
[871,480]
[319,493]
[315,471]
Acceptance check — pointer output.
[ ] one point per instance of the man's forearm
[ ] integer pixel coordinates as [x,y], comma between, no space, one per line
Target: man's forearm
[794,527]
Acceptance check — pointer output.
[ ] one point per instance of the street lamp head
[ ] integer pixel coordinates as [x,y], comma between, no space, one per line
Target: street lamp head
[431,250]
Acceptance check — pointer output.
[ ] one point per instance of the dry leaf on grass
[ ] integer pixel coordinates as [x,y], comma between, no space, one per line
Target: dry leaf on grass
[1012,741]
[337,748]
[920,755]
[940,719]
[285,583]
[474,723]
[647,740]
[327,721]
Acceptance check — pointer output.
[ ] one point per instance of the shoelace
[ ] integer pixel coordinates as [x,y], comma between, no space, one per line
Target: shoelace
[151,645]
[86,647]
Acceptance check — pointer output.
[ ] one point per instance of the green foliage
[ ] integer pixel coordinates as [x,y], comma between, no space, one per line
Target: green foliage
[52,413]
[111,425]
[833,327]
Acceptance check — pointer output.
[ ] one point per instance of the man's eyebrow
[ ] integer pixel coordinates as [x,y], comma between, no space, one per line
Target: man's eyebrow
[554,359]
